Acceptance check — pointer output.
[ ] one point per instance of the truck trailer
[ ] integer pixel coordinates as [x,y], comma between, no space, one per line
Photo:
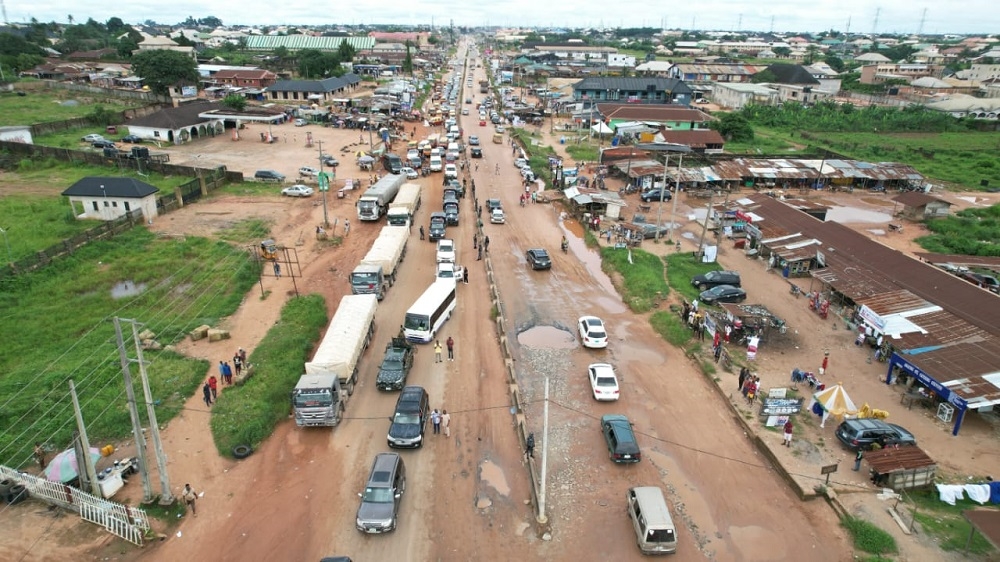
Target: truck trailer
[375,200]
[404,206]
[377,270]
[319,397]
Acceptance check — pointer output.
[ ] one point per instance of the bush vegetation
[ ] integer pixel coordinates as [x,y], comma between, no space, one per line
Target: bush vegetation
[642,280]
[974,232]
[670,327]
[681,268]
[868,537]
[247,414]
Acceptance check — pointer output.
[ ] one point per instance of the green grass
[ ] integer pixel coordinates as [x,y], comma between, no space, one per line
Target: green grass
[868,537]
[642,280]
[583,153]
[974,232]
[681,268]
[56,326]
[767,141]
[671,328]
[45,106]
[247,231]
[247,414]
[946,524]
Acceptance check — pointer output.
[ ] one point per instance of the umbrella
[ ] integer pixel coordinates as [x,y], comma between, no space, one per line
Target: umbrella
[366,159]
[835,402]
[63,467]
[360,153]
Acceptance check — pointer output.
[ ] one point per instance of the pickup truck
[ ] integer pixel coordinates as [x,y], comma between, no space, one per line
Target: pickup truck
[395,365]
[448,270]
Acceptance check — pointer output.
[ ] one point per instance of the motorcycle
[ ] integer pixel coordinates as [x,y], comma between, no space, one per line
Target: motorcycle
[565,246]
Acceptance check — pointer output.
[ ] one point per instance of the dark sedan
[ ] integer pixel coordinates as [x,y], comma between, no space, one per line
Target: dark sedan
[134,139]
[476,152]
[538,258]
[654,195]
[103,144]
[723,293]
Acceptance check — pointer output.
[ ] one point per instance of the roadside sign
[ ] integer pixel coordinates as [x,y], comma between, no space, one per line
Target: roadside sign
[324,181]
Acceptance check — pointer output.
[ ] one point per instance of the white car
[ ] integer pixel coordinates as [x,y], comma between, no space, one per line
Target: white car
[448,270]
[451,171]
[497,216]
[465,112]
[603,381]
[298,190]
[592,332]
[446,250]
[308,171]
[93,137]
[410,173]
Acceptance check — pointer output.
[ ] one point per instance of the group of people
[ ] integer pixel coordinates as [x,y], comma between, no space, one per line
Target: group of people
[749,385]
[441,420]
[210,390]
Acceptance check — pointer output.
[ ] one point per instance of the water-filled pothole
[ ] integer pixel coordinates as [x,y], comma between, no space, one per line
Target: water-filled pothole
[124,289]
[548,337]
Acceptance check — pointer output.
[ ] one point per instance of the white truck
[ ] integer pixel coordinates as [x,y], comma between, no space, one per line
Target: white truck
[404,206]
[319,397]
[374,202]
[377,270]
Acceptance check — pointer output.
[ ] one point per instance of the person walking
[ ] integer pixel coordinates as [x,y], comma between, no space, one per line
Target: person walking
[857,460]
[213,384]
[479,257]
[421,232]
[206,391]
[475,240]
[465,275]
[243,356]
[529,447]
[39,454]
[446,422]
[228,373]
[237,363]
[825,364]
[222,370]
[437,351]
[277,270]
[436,421]
[451,348]
[190,497]
[788,433]
[347,226]
[486,244]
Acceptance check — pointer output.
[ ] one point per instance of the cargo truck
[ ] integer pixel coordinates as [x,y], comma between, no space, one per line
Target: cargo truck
[404,206]
[374,202]
[319,397]
[377,271]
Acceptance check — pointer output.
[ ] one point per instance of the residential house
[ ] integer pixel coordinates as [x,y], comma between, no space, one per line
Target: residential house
[919,206]
[299,42]
[736,96]
[633,90]
[321,91]
[671,117]
[574,51]
[725,72]
[658,68]
[108,198]
[872,58]
[620,60]
[879,73]
[962,105]
[161,43]
[796,83]
[829,79]
[246,78]
[981,72]
[180,124]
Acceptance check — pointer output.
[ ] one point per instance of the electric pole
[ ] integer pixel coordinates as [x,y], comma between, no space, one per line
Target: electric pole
[140,441]
[323,178]
[88,462]
[166,498]
[704,227]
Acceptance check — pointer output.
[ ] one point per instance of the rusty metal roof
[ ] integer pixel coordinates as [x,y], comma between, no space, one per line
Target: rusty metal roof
[987,522]
[891,459]
[894,302]
[959,259]
[640,168]
[918,199]
[854,282]
[942,328]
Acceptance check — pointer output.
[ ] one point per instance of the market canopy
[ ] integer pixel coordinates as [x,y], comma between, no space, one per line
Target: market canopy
[601,129]
[835,402]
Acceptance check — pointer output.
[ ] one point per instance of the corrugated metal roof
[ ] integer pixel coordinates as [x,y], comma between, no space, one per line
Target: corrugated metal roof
[894,302]
[299,42]
[892,459]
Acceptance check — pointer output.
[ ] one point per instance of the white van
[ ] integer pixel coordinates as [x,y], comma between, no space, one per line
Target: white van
[654,529]
[436,165]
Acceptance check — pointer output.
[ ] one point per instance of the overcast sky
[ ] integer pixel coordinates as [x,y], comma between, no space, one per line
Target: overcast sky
[896,16]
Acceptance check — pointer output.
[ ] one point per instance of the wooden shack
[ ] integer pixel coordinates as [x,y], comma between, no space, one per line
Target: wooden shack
[903,468]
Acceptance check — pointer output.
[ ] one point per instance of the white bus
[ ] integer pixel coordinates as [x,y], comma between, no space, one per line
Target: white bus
[425,317]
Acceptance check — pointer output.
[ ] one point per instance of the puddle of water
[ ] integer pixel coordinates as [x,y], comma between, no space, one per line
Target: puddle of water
[493,475]
[852,214]
[688,235]
[124,289]
[548,337]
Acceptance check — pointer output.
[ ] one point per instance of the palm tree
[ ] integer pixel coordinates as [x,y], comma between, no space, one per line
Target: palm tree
[70,18]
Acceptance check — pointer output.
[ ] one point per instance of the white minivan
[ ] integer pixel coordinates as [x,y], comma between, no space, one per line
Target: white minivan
[650,517]
[436,165]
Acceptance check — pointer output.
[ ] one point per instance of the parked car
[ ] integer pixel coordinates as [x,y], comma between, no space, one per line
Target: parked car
[981,280]
[603,382]
[473,140]
[465,111]
[592,332]
[410,173]
[308,171]
[379,508]
[93,137]
[716,278]
[450,171]
[538,258]
[655,194]
[330,161]
[476,152]
[103,143]
[446,250]
[134,139]
[862,433]
[493,204]
[500,129]
[497,216]
[297,190]
[268,175]
[620,439]
[723,293]
[301,122]
[410,418]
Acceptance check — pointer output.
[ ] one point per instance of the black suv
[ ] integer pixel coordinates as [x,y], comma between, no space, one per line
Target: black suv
[863,433]
[438,225]
[269,175]
[392,163]
[655,194]
[538,258]
[396,365]
[618,434]
[451,212]
[410,418]
[716,278]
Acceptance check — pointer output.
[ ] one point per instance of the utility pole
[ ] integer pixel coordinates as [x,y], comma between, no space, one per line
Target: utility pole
[88,463]
[140,441]
[542,518]
[322,190]
[677,194]
[166,498]
[704,227]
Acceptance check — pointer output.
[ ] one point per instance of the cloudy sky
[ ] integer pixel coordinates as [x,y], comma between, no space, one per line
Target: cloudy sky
[894,16]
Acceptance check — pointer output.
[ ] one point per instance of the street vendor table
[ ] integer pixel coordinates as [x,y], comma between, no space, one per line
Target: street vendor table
[112,479]
[908,398]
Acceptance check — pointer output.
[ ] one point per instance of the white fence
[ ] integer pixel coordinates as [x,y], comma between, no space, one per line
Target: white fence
[127,522]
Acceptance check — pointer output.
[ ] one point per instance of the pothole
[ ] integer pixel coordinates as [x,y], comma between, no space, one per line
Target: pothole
[547,337]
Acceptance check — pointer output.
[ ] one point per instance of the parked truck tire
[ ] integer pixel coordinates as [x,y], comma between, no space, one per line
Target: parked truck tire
[242,451]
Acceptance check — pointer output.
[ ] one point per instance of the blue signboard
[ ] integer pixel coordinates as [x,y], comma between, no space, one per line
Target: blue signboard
[930,382]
